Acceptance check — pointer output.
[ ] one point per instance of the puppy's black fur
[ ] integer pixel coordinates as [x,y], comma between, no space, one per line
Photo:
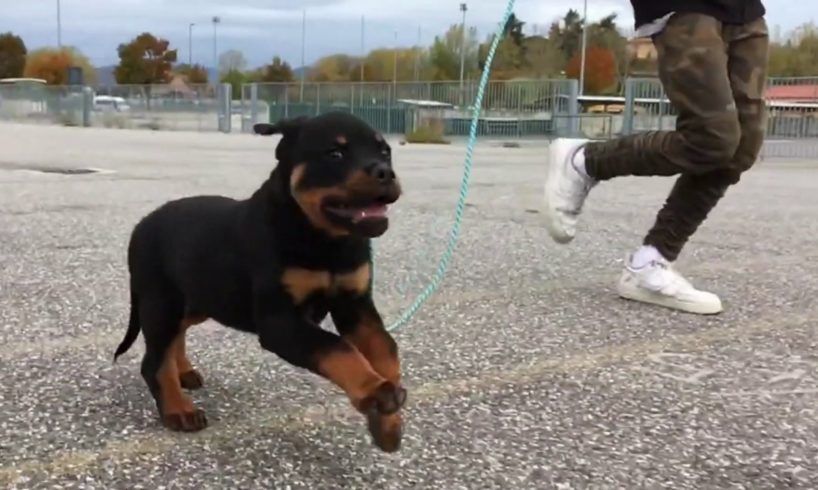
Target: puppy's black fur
[275,265]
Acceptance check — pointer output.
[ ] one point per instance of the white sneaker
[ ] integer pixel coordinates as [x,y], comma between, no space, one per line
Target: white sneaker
[659,284]
[566,188]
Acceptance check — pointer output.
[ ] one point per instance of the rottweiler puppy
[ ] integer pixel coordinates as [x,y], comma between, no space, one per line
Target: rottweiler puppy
[275,265]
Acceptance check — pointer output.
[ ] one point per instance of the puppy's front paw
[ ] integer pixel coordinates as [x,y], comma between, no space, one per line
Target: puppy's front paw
[192,421]
[383,416]
[191,380]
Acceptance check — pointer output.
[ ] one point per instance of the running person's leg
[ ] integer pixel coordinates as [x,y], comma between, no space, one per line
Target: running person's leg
[695,195]
[693,67]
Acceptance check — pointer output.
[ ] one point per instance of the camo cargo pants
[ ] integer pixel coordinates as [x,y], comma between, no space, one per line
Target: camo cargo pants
[714,74]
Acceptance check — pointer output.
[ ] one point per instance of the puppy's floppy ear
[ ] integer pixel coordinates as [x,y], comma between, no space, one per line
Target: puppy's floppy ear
[288,129]
[285,127]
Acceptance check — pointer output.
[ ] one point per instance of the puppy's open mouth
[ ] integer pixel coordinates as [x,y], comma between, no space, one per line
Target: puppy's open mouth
[366,216]
[357,212]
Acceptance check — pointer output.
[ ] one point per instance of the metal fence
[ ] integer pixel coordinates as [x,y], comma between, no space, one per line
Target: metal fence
[792,114]
[156,107]
[510,109]
[43,104]
[515,110]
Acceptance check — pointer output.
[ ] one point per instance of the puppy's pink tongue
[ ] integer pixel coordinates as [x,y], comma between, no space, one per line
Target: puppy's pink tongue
[374,211]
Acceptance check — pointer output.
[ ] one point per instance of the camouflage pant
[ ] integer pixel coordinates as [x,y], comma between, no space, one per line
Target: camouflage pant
[714,74]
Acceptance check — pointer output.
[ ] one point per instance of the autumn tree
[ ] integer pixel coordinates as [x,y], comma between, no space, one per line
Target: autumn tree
[600,69]
[145,60]
[509,60]
[337,68]
[194,74]
[798,55]
[276,71]
[12,55]
[51,65]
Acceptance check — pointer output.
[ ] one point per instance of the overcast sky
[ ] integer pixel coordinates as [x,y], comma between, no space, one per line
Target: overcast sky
[264,28]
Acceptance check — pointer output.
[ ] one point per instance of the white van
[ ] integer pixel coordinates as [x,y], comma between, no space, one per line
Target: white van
[108,103]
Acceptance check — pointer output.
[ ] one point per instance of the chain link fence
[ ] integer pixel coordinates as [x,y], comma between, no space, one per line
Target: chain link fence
[792,114]
[168,107]
[510,109]
[45,104]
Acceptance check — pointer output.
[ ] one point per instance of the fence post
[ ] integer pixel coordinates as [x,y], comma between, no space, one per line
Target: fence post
[573,107]
[87,105]
[224,96]
[318,98]
[627,120]
[389,109]
[253,105]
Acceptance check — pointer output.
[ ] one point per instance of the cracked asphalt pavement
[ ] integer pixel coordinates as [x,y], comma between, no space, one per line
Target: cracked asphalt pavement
[525,371]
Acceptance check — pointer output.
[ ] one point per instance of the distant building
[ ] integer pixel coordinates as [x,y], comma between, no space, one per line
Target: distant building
[642,48]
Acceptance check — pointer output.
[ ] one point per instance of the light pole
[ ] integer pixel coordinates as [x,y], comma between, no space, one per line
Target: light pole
[363,50]
[584,46]
[59,25]
[190,44]
[463,9]
[395,63]
[216,21]
[417,55]
[303,50]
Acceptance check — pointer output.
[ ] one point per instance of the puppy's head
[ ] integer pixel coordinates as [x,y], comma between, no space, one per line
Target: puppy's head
[338,170]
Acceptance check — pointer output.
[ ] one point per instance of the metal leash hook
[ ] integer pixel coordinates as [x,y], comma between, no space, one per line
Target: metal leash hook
[454,235]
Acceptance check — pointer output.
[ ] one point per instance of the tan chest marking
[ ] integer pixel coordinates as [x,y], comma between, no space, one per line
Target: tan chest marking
[301,283]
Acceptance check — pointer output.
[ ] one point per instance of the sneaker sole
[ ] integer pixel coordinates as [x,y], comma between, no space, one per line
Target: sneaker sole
[642,296]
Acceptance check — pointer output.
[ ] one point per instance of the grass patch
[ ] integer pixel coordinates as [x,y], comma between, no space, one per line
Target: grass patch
[429,133]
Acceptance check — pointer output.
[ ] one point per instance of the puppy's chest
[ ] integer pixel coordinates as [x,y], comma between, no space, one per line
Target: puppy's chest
[303,284]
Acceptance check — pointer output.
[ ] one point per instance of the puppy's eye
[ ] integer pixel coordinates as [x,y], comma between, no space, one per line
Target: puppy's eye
[386,151]
[336,155]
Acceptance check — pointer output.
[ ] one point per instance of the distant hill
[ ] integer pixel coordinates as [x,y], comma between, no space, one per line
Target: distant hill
[105,75]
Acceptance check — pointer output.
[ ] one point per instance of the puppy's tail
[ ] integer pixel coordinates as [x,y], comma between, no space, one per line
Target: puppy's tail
[133,328]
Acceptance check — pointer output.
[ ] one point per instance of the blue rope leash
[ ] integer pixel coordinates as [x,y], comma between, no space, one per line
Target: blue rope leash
[454,235]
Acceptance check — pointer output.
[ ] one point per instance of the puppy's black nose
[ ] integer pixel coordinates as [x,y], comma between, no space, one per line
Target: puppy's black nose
[381,172]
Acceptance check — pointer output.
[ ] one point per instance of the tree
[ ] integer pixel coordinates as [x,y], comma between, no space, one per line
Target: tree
[444,55]
[232,60]
[51,65]
[145,60]
[509,59]
[12,55]
[600,69]
[798,56]
[236,79]
[277,71]
[544,58]
[568,33]
[195,74]
[337,68]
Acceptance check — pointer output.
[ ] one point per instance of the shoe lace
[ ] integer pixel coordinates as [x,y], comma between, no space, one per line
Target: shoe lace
[669,280]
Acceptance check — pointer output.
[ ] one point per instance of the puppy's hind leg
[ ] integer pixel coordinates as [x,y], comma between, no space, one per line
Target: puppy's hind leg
[161,317]
[190,378]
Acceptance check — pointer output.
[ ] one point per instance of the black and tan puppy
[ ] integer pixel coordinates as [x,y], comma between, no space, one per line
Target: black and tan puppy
[275,265]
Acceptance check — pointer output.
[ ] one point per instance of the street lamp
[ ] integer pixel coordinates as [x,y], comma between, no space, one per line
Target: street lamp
[59,25]
[190,44]
[303,51]
[216,21]
[395,62]
[463,9]
[584,46]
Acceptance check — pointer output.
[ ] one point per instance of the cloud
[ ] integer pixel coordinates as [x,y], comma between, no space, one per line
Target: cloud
[264,28]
